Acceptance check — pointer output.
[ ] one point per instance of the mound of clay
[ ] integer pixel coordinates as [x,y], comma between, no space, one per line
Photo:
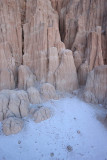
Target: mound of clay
[48,91]
[41,114]
[12,125]
[13,103]
[34,95]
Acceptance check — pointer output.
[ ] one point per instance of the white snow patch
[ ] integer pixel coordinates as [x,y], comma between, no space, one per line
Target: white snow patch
[49,139]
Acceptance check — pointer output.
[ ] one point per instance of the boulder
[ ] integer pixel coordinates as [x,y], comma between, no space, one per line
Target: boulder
[12,125]
[48,91]
[42,114]
[19,104]
[34,95]
[24,108]
[22,95]
[13,103]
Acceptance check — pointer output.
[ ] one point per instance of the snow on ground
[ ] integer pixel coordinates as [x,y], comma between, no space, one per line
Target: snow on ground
[73,123]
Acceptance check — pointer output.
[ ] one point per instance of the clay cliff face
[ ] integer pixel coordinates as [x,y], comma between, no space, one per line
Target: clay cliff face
[61,41]
[83,29]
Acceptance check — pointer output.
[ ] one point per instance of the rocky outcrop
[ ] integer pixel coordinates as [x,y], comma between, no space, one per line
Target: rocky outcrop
[41,32]
[36,39]
[3,106]
[26,78]
[65,75]
[59,4]
[83,73]
[94,50]
[53,65]
[10,42]
[41,114]
[83,30]
[12,125]
[13,104]
[48,92]
[96,86]
[34,95]
[7,80]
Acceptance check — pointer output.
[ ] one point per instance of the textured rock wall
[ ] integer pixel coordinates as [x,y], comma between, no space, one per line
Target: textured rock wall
[96,87]
[32,40]
[79,21]
[38,34]
[10,42]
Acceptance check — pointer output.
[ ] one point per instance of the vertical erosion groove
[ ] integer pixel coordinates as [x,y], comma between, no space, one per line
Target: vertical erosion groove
[23,20]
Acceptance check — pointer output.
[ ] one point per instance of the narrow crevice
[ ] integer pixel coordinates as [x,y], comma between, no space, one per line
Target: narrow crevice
[23,21]
[22,41]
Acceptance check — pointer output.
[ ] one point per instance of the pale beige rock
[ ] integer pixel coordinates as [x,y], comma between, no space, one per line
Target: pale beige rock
[24,103]
[31,33]
[34,95]
[4,100]
[41,32]
[96,84]
[89,97]
[105,102]
[48,91]
[78,18]
[14,104]
[26,78]
[19,104]
[83,29]
[22,95]
[9,114]
[12,125]
[7,92]
[66,75]
[94,50]
[7,80]
[77,59]
[59,4]
[1,116]
[24,108]
[10,42]
[53,64]
[83,73]
[42,114]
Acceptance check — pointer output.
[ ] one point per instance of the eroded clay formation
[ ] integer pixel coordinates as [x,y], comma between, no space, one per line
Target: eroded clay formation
[47,46]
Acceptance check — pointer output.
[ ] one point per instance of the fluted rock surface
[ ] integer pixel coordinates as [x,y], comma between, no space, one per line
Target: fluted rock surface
[10,41]
[26,78]
[41,32]
[83,28]
[96,86]
[37,34]
[65,75]
[13,104]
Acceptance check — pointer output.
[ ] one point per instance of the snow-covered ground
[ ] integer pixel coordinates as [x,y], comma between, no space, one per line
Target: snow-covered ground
[73,123]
